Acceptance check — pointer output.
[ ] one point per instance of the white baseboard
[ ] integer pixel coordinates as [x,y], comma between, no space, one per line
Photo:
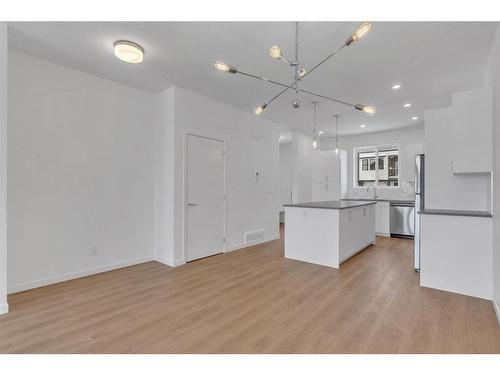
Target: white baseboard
[175,263]
[4,308]
[75,275]
[497,310]
[243,245]
[179,262]
[382,234]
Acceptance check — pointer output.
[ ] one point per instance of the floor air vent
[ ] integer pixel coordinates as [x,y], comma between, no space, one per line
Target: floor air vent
[254,236]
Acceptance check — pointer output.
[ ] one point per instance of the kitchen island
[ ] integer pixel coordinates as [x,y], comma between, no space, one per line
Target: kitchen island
[330,232]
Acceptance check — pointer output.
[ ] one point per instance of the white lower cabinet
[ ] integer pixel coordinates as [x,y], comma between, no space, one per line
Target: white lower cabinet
[456,253]
[382,219]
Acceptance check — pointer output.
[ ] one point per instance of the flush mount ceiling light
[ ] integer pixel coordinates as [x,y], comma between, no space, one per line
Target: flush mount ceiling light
[363,126]
[299,72]
[414,118]
[129,51]
[395,87]
[407,105]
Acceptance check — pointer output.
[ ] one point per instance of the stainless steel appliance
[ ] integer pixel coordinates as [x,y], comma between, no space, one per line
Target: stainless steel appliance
[419,205]
[402,219]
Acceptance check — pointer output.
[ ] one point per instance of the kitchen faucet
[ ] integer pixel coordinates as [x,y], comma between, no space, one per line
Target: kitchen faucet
[374,191]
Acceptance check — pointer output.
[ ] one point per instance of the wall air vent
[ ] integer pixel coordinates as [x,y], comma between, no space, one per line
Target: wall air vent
[254,236]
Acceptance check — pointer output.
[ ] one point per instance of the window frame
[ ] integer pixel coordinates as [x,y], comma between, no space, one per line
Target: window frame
[375,149]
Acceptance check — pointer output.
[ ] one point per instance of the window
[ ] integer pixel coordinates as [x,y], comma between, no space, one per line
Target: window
[365,164]
[381,162]
[385,173]
[372,164]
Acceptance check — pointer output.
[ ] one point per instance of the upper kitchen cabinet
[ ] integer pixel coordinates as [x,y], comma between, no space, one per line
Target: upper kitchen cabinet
[471,132]
[325,167]
[329,175]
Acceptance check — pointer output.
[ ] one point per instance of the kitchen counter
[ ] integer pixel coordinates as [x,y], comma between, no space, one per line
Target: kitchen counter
[433,211]
[394,201]
[333,205]
[328,233]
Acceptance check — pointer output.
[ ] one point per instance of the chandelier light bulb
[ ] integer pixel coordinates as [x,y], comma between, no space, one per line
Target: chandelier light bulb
[258,111]
[368,109]
[275,52]
[362,31]
[221,66]
[302,72]
[296,103]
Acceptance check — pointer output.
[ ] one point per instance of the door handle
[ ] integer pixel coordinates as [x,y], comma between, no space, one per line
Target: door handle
[192,204]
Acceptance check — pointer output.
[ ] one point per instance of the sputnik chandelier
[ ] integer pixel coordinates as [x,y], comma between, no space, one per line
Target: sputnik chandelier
[300,72]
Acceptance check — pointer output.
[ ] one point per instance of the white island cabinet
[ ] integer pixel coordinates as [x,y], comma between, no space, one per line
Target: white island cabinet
[328,233]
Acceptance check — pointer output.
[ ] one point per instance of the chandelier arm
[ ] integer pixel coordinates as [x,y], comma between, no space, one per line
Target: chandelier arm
[292,87]
[328,98]
[324,60]
[266,80]
[276,96]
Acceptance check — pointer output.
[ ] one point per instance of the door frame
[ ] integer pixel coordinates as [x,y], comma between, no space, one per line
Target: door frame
[185,234]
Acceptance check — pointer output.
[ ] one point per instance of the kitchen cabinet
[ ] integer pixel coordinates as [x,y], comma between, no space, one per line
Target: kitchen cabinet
[458,153]
[325,167]
[456,254]
[471,132]
[325,192]
[382,219]
[326,175]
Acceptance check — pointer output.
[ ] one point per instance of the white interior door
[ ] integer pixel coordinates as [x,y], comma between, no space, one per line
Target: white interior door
[205,197]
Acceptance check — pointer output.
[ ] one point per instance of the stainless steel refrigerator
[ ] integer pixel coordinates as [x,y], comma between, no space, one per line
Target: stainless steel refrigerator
[419,205]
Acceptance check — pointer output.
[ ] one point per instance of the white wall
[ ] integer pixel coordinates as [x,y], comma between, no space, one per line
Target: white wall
[3,168]
[493,80]
[285,172]
[405,138]
[80,173]
[164,147]
[251,145]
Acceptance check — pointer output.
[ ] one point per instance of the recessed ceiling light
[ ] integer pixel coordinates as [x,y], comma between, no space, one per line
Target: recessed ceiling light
[129,51]
[407,105]
[395,87]
[320,132]
[363,126]
[414,118]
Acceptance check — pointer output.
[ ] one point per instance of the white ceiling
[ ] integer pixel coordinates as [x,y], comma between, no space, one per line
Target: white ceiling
[431,60]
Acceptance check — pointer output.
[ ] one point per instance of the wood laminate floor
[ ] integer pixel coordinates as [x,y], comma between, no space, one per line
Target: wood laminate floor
[252,301]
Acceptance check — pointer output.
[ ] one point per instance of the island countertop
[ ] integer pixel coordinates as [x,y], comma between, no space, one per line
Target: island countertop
[332,205]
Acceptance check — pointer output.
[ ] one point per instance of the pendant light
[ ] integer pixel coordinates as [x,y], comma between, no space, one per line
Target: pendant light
[315,143]
[336,133]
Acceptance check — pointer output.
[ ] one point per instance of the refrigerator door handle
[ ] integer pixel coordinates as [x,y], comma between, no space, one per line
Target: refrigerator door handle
[417,175]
